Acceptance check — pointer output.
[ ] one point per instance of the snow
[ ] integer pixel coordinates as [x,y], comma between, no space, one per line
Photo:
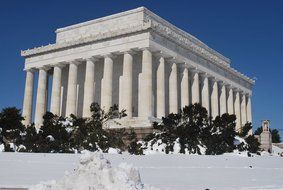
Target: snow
[50,138]
[158,147]
[173,171]
[2,147]
[96,172]
[114,151]
[276,150]
[238,140]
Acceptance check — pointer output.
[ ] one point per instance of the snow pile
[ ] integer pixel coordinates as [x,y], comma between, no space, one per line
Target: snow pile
[96,173]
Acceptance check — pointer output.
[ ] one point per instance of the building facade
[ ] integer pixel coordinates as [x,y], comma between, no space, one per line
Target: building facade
[137,60]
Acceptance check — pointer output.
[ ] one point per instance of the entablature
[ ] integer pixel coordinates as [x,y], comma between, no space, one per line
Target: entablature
[152,25]
[150,21]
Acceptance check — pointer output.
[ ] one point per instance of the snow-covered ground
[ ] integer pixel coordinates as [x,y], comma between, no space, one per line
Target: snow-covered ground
[230,171]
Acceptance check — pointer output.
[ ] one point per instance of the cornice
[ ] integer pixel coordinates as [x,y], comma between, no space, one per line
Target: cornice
[85,40]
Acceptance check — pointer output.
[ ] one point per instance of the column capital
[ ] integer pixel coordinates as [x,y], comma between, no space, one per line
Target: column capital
[243,93]
[214,79]
[109,55]
[32,70]
[237,90]
[174,64]
[75,62]
[91,58]
[195,70]
[128,51]
[222,83]
[249,95]
[146,49]
[205,74]
[171,60]
[185,69]
[190,64]
[45,67]
[60,64]
[161,54]
[230,86]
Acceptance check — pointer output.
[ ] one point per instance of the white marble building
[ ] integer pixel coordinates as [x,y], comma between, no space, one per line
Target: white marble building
[137,60]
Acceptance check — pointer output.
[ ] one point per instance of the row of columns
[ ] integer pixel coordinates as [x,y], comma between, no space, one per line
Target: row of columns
[217,97]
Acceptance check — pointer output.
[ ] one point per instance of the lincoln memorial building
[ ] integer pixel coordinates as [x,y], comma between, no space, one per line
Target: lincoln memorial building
[137,60]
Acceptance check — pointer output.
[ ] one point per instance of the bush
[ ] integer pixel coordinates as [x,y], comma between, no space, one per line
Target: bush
[192,128]
[63,135]
[220,136]
[252,144]
[31,140]
[52,136]
[134,146]
[275,136]
[184,126]
[11,127]
[89,133]
[245,129]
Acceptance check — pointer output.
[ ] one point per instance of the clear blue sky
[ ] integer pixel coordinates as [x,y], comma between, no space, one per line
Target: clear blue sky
[250,33]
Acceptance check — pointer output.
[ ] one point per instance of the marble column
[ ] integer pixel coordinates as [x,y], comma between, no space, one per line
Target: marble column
[249,109]
[185,88]
[249,112]
[56,90]
[173,89]
[230,100]
[71,105]
[145,86]
[27,106]
[107,83]
[41,97]
[89,86]
[223,99]
[160,76]
[126,85]
[237,106]
[243,109]
[205,93]
[214,99]
[195,87]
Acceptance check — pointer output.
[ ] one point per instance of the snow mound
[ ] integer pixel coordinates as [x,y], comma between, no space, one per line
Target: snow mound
[96,173]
